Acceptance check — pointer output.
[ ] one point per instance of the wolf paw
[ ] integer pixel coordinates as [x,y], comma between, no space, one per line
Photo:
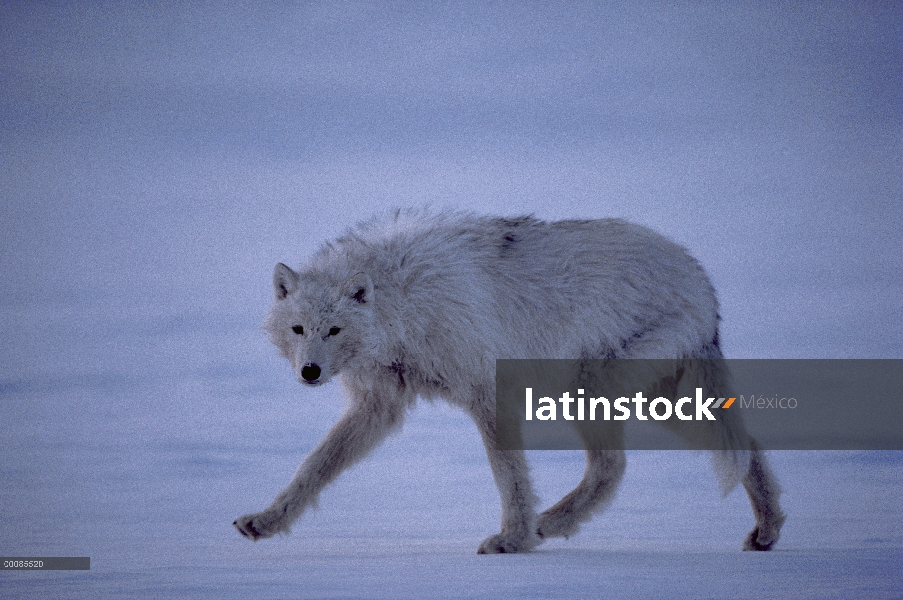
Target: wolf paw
[556,524]
[504,543]
[763,537]
[260,525]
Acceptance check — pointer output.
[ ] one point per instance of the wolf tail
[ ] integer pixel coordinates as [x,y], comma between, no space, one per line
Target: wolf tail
[732,447]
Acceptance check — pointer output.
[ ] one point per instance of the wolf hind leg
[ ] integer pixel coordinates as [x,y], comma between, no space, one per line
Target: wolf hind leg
[740,458]
[763,491]
[604,470]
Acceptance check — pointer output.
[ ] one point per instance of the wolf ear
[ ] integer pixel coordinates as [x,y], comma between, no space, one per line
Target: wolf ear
[360,287]
[285,281]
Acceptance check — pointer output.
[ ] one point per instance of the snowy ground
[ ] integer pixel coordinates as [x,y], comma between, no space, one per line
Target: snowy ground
[146,478]
[147,486]
[156,163]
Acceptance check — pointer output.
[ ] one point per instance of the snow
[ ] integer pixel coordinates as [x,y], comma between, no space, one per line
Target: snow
[155,165]
[147,483]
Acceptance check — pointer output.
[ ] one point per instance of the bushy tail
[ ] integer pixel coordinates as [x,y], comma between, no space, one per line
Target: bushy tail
[731,466]
[732,447]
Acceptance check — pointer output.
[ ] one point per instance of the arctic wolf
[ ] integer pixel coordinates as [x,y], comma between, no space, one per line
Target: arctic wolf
[422,304]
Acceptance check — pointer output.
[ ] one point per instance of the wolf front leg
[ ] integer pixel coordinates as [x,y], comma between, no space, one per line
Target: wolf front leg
[512,478]
[370,418]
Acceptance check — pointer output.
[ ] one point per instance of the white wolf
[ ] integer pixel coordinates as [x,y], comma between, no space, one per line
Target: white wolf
[422,304]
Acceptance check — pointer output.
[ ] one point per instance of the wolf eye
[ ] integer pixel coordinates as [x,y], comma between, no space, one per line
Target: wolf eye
[334,330]
[298,329]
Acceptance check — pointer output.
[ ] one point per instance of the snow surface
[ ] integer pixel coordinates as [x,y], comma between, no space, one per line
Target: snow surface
[157,162]
[147,485]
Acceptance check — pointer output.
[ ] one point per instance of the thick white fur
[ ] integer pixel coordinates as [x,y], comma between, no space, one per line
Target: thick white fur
[422,304]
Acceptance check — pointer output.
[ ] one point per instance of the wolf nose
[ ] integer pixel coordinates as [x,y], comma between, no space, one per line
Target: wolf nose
[310,372]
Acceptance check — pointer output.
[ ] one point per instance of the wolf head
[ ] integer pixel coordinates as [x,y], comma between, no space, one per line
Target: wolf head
[322,325]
